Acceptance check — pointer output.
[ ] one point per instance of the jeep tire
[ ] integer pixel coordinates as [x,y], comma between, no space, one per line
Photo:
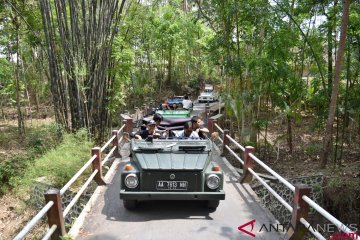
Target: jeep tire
[212,204]
[129,204]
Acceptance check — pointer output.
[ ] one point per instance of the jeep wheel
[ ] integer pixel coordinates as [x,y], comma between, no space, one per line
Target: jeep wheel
[213,204]
[129,204]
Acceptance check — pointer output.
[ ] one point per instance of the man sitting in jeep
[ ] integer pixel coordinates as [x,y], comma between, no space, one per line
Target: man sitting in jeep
[187,132]
[151,127]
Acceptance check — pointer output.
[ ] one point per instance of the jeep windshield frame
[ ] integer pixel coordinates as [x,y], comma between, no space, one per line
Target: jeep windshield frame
[173,145]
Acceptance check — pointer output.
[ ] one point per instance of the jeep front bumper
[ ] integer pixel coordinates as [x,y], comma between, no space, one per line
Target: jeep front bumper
[172,195]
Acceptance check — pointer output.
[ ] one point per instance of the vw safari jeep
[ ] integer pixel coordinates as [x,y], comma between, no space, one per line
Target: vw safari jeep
[171,170]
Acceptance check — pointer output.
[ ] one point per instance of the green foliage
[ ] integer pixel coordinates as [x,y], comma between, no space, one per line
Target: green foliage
[42,139]
[155,42]
[313,149]
[66,237]
[37,141]
[6,82]
[20,36]
[58,165]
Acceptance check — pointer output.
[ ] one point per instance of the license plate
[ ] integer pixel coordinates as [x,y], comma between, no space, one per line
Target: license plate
[172,185]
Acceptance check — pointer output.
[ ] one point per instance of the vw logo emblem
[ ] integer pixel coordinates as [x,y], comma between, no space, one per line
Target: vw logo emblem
[172,176]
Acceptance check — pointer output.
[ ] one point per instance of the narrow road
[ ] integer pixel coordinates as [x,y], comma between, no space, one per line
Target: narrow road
[172,220]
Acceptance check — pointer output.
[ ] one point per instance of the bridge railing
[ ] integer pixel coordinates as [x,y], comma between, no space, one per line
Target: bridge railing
[301,201]
[53,207]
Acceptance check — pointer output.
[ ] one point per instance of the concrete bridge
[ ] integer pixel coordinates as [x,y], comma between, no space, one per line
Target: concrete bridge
[239,216]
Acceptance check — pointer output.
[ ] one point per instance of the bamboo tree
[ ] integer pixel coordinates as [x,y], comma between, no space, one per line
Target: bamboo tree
[20,118]
[327,139]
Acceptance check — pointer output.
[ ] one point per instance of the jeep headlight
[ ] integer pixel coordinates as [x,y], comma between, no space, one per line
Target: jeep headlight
[213,181]
[131,180]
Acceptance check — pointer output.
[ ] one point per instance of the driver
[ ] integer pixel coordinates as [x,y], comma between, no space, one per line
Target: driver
[150,130]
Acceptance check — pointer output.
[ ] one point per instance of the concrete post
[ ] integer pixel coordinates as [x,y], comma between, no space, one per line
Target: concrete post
[55,213]
[136,117]
[225,142]
[145,110]
[96,164]
[211,125]
[300,210]
[207,107]
[248,163]
[129,125]
[116,144]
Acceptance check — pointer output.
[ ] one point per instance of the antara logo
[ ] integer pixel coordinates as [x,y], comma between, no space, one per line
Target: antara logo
[241,228]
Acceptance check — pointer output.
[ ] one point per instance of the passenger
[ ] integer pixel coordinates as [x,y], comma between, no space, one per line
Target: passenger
[187,132]
[165,105]
[187,103]
[174,106]
[180,106]
[196,126]
[158,118]
[151,127]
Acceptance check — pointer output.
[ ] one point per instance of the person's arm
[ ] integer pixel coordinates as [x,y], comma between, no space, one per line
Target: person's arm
[204,130]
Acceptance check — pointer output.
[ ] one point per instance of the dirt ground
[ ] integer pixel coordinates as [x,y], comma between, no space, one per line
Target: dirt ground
[15,212]
[14,215]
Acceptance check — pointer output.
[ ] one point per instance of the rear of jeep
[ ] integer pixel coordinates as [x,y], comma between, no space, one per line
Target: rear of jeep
[171,170]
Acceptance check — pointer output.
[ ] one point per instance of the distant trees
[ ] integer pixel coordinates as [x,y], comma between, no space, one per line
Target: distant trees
[275,56]
[162,48]
[19,42]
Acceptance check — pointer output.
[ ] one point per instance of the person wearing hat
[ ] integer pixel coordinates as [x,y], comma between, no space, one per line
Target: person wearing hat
[150,130]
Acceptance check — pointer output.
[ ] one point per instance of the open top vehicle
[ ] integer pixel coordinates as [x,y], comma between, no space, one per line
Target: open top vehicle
[171,169]
[168,123]
[172,119]
[175,100]
[178,113]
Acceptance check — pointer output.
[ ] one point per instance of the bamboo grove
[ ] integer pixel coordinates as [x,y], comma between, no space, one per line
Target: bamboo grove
[79,36]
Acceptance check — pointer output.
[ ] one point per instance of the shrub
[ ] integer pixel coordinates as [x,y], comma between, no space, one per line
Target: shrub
[59,164]
[36,142]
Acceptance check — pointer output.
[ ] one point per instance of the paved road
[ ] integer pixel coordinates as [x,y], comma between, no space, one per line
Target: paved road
[173,220]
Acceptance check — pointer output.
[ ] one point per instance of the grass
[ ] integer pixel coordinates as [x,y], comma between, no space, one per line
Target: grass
[57,165]
[19,152]
[45,151]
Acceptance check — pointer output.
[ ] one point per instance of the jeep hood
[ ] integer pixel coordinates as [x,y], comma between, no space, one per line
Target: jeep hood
[172,161]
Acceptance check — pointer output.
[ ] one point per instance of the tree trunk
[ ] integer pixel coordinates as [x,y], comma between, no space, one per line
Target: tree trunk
[289,134]
[169,66]
[346,114]
[329,56]
[20,117]
[340,54]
